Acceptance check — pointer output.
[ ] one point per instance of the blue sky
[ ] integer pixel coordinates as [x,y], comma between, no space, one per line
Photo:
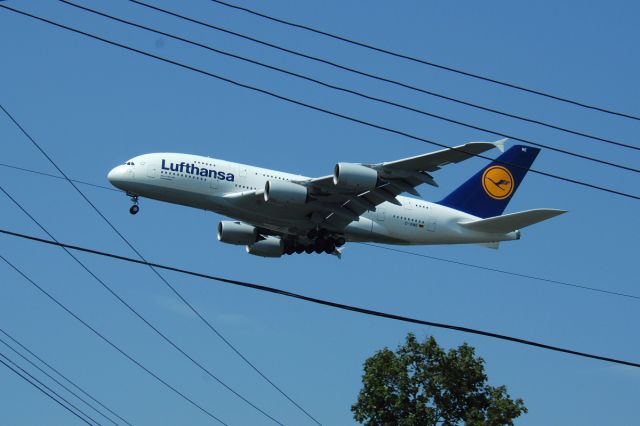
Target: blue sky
[92,106]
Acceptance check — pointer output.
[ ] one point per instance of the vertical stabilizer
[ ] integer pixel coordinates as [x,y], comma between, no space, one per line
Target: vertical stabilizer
[489,191]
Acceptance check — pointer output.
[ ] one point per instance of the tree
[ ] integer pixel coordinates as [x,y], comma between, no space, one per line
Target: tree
[422,384]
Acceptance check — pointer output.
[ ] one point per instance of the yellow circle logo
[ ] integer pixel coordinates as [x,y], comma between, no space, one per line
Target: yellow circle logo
[497,182]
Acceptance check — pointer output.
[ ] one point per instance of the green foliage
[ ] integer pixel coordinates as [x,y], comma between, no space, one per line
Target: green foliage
[421,384]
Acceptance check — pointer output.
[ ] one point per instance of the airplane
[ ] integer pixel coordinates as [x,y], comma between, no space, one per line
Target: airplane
[276,213]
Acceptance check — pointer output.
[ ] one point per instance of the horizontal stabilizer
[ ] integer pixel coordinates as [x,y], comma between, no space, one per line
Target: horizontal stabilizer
[512,222]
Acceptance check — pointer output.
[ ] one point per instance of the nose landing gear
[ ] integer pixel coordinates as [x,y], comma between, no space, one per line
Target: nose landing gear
[135,208]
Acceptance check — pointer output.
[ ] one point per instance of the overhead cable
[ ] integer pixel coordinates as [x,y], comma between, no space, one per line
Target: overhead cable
[350,91]
[110,343]
[384,79]
[313,107]
[62,385]
[502,271]
[431,64]
[37,172]
[336,305]
[46,390]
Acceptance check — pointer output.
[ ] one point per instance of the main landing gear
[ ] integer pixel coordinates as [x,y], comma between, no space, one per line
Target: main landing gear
[321,242]
[135,208]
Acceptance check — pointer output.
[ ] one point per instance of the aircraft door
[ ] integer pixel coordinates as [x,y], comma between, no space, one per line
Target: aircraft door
[151,170]
[380,214]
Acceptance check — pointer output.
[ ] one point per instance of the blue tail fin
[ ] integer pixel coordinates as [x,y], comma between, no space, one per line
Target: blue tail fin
[489,191]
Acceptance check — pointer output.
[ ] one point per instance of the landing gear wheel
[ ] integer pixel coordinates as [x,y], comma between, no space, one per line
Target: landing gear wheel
[308,249]
[331,247]
[299,249]
[340,242]
[134,208]
[320,245]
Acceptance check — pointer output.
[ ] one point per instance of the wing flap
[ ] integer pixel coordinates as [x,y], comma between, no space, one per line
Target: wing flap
[512,222]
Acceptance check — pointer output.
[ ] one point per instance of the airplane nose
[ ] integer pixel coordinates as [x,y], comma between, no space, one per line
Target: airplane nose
[118,176]
[114,175]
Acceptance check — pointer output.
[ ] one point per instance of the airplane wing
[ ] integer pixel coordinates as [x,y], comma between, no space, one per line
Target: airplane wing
[435,160]
[340,206]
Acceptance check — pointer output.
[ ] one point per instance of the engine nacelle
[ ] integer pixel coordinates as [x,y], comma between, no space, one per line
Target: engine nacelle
[269,247]
[354,177]
[237,233]
[285,192]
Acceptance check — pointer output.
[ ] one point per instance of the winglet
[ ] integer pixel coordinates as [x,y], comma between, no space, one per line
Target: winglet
[500,144]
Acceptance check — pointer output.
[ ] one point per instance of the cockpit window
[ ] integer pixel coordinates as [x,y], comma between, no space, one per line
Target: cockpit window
[129,163]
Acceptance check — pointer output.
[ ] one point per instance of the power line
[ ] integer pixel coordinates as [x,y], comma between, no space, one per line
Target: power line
[9,166]
[313,107]
[52,368]
[350,91]
[110,343]
[336,305]
[429,63]
[49,392]
[57,381]
[142,318]
[385,79]
[169,285]
[440,259]
[502,271]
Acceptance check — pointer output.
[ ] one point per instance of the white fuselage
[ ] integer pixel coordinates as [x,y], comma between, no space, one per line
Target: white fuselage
[221,186]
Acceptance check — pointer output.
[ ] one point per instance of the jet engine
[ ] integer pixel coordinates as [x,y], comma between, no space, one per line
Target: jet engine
[269,247]
[237,233]
[354,177]
[285,192]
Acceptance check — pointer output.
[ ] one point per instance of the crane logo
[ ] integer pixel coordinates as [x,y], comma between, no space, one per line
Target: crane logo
[497,182]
